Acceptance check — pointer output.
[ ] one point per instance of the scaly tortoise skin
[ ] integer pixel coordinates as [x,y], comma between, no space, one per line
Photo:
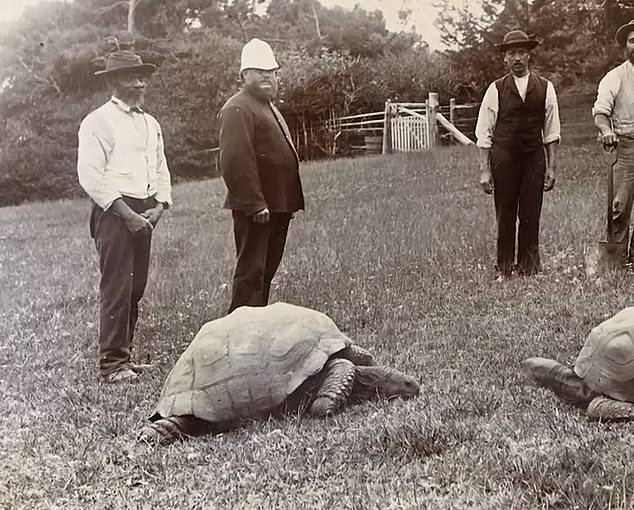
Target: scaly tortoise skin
[261,360]
[602,381]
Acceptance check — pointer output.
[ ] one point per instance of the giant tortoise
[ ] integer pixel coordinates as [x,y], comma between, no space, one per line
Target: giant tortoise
[259,360]
[602,381]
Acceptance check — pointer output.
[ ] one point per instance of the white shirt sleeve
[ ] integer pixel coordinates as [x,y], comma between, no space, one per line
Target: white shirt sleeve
[552,125]
[163,185]
[606,94]
[487,118]
[92,154]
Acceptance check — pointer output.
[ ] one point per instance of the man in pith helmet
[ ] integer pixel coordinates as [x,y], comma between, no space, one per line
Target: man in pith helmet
[122,167]
[518,131]
[260,167]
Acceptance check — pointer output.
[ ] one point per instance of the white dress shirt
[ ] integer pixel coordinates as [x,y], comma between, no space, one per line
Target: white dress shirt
[488,114]
[121,152]
[615,97]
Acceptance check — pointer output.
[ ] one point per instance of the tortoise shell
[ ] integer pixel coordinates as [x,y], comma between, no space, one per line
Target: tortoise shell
[606,361]
[249,362]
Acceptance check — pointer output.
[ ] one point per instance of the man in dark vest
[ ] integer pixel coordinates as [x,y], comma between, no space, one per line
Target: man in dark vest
[518,131]
[260,167]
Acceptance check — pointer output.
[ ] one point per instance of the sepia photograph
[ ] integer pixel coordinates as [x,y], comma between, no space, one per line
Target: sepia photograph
[316,254]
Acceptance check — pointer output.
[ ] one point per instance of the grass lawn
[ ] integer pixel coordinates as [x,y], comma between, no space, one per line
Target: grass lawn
[399,252]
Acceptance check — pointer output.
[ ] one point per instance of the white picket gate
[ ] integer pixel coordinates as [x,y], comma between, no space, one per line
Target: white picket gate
[403,127]
[409,133]
[409,127]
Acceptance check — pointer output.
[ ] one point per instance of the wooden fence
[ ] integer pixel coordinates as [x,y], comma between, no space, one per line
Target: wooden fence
[410,128]
[403,127]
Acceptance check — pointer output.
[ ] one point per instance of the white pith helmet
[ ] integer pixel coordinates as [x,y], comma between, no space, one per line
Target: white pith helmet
[257,54]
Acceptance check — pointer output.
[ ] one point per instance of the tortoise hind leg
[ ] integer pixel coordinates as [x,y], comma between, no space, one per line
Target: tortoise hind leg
[607,409]
[168,430]
[560,379]
[336,386]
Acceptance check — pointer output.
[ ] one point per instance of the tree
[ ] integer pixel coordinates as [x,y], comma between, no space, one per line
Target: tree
[577,38]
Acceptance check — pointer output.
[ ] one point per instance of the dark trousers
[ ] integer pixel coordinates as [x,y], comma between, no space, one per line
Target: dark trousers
[123,261]
[518,180]
[623,195]
[259,248]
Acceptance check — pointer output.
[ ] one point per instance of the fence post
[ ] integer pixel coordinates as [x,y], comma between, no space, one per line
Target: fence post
[452,116]
[452,110]
[387,131]
[432,109]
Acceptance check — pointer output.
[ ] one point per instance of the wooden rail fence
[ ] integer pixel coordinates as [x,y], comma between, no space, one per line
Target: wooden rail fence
[404,127]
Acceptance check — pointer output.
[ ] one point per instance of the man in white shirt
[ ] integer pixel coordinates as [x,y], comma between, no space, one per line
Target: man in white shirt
[122,167]
[614,117]
[517,132]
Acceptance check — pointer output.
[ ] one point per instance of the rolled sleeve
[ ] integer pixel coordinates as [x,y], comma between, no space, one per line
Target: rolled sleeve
[606,94]
[92,154]
[552,124]
[487,118]
[238,161]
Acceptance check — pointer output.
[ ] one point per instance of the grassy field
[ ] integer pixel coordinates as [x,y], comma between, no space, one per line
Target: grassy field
[399,252]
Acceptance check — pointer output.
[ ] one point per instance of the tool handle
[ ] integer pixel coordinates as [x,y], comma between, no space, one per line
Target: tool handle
[610,201]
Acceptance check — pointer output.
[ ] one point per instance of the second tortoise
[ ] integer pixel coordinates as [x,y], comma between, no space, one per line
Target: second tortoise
[602,381]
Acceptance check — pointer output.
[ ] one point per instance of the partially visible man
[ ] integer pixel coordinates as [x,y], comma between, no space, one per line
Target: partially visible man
[260,168]
[613,114]
[518,118]
[122,167]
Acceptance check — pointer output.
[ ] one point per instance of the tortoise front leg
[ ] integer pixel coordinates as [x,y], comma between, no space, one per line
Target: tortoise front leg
[607,409]
[337,382]
[359,356]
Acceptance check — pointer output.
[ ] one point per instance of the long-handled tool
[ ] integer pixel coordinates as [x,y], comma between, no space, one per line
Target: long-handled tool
[611,253]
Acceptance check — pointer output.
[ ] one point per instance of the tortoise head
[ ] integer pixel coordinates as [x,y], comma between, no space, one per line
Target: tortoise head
[384,381]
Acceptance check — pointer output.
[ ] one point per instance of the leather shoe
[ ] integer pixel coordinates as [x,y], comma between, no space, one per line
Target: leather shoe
[139,367]
[123,374]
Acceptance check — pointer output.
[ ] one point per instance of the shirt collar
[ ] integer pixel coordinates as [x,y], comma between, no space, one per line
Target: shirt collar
[521,78]
[124,106]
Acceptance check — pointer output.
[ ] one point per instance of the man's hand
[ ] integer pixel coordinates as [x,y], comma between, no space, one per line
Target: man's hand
[486,181]
[609,138]
[549,178]
[262,216]
[137,224]
[154,214]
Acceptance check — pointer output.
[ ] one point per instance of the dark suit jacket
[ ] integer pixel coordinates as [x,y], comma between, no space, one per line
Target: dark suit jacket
[258,161]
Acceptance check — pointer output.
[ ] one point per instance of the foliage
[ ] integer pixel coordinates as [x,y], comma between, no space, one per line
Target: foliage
[577,38]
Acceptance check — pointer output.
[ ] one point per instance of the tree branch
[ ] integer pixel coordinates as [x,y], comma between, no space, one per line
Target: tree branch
[40,79]
[316,22]
[104,10]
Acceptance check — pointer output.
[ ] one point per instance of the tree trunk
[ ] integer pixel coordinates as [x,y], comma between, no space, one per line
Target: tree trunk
[316,22]
[131,8]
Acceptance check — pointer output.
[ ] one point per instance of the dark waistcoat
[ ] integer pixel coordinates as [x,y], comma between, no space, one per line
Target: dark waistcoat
[520,123]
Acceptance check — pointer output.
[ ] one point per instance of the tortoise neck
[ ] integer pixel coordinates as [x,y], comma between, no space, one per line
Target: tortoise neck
[371,380]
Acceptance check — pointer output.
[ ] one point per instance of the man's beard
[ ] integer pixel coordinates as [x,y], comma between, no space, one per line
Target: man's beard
[264,93]
[134,98]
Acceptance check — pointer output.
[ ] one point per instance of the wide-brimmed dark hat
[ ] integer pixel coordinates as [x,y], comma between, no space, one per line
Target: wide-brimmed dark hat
[517,39]
[125,61]
[623,32]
